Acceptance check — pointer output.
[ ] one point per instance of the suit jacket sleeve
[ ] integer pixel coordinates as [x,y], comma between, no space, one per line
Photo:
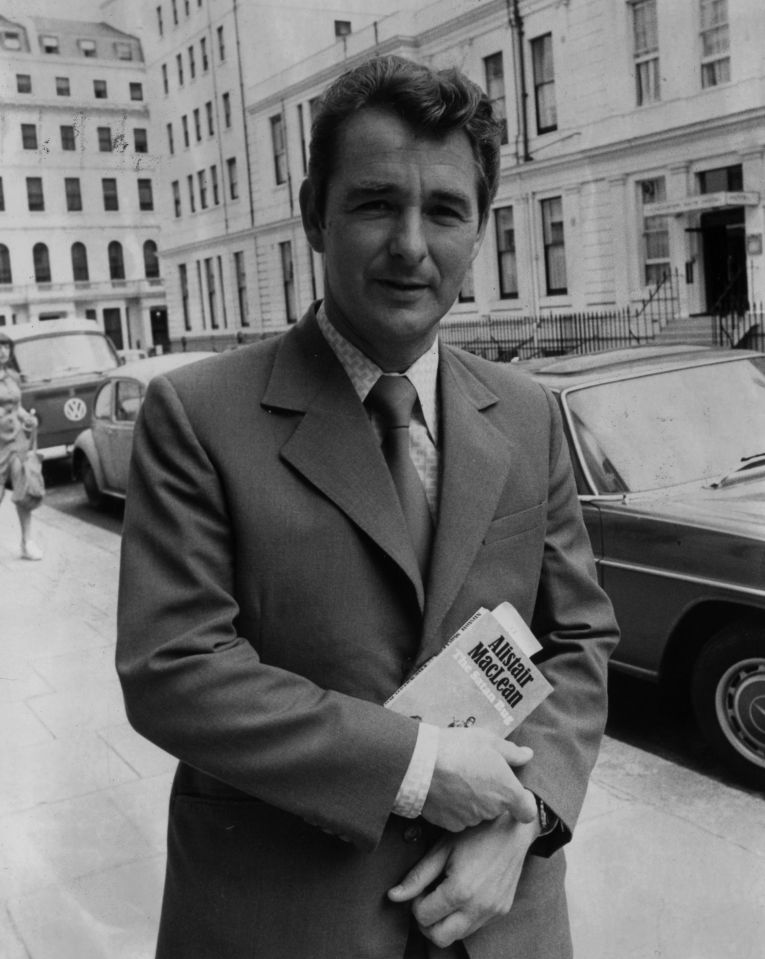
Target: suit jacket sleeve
[574,620]
[199,690]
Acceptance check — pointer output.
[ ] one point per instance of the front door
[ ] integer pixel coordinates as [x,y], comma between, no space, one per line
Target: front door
[723,234]
[160,335]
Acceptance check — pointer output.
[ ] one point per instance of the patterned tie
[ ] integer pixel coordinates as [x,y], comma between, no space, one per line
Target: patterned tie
[393,398]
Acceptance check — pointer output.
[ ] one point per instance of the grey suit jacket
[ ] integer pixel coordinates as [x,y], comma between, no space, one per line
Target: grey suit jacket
[270,601]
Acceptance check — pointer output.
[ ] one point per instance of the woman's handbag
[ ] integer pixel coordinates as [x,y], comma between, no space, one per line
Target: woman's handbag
[31,488]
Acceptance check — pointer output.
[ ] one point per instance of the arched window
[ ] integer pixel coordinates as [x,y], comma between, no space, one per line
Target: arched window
[80,262]
[150,260]
[116,262]
[5,265]
[42,263]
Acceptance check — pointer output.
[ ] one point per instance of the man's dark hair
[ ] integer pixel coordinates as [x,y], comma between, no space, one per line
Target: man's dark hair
[434,103]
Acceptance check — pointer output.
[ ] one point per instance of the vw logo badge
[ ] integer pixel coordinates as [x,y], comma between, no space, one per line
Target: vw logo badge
[75,409]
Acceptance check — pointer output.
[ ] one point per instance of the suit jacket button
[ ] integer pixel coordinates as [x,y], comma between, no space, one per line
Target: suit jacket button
[413,833]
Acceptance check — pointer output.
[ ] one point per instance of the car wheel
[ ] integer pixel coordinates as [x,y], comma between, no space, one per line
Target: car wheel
[728,690]
[89,481]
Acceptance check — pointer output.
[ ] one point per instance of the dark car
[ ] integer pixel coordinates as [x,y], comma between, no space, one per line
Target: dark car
[61,363]
[101,453]
[669,452]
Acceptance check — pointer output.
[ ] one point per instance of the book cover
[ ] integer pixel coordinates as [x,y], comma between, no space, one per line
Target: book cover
[482,677]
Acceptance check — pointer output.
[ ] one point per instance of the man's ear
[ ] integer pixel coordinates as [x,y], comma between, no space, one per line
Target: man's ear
[312,220]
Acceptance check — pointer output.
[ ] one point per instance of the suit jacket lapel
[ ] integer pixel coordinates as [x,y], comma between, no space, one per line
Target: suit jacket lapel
[475,464]
[334,446]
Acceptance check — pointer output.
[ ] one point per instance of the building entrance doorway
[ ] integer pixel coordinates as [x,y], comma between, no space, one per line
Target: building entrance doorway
[160,335]
[724,251]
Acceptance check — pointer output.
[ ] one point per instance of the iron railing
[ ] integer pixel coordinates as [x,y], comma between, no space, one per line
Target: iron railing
[744,329]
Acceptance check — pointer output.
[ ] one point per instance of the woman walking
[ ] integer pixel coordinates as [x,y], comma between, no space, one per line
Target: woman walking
[16,427]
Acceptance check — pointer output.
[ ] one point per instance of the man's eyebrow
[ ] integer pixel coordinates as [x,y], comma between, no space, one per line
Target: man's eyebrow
[367,188]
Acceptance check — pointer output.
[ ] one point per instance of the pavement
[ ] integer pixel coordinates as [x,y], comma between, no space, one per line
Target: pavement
[665,862]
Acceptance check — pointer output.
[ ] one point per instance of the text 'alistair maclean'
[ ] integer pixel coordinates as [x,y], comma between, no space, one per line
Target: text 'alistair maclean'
[499,662]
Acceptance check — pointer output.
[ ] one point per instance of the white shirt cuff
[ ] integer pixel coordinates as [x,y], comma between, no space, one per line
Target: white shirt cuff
[413,790]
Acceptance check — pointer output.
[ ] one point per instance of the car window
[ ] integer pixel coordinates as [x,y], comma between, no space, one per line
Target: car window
[129,395]
[64,354]
[102,407]
[671,427]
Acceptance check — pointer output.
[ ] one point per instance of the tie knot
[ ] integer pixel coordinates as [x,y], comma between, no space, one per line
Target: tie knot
[393,398]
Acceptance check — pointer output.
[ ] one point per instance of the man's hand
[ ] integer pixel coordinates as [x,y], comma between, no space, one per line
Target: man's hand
[472,780]
[479,871]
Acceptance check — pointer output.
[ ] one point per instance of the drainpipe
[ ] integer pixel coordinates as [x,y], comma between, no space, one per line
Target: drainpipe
[247,159]
[516,25]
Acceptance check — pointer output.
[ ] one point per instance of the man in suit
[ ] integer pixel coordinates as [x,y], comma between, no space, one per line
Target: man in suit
[282,574]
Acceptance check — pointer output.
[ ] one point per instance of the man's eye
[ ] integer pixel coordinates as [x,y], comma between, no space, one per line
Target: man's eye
[374,206]
[446,213]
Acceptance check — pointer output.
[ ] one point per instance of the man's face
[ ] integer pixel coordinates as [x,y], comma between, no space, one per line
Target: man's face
[400,228]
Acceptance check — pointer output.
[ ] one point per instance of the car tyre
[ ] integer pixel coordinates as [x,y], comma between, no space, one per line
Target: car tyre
[90,483]
[728,693]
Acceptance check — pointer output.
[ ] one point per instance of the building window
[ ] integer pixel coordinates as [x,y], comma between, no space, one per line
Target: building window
[645,33]
[80,271]
[184,283]
[2,196]
[23,83]
[29,136]
[221,45]
[211,294]
[467,290]
[214,184]
[506,262]
[174,5]
[720,179]
[656,263]
[124,51]
[202,180]
[62,87]
[165,81]
[140,140]
[227,110]
[150,260]
[49,44]
[203,54]
[288,280]
[109,190]
[87,47]
[73,194]
[179,64]
[35,198]
[11,39]
[6,276]
[136,91]
[170,139]
[544,83]
[113,326]
[192,63]
[301,128]
[555,249]
[67,138]
[715,43]
[116,261]
[41,263]
[176,188]
[210,124]
[99,89]
[186,6]
[494,71]
[145,195]
[201,300]
[185,128]
[279,148]
[160,25]
[192,198]
[233,178]
[241,289]
[105,139]
[197,124]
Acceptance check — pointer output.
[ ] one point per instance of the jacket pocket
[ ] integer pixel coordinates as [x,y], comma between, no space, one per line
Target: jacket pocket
[515,523]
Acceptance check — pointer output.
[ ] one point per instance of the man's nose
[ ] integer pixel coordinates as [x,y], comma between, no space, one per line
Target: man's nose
[408,239]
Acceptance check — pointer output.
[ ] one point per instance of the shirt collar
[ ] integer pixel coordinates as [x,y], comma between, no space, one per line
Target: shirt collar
[364,373]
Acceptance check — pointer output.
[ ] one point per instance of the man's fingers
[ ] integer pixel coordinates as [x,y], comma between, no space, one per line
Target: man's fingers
[515,755]
[417,880]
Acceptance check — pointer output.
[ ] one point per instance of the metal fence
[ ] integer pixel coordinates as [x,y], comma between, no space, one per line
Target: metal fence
[744,330]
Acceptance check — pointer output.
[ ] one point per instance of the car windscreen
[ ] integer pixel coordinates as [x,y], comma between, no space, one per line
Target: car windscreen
[63,354]
[672,427]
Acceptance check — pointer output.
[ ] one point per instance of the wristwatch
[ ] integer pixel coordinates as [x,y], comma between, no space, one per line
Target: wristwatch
[548,821]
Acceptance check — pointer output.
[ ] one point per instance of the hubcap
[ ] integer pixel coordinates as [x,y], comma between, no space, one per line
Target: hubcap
[740,706]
